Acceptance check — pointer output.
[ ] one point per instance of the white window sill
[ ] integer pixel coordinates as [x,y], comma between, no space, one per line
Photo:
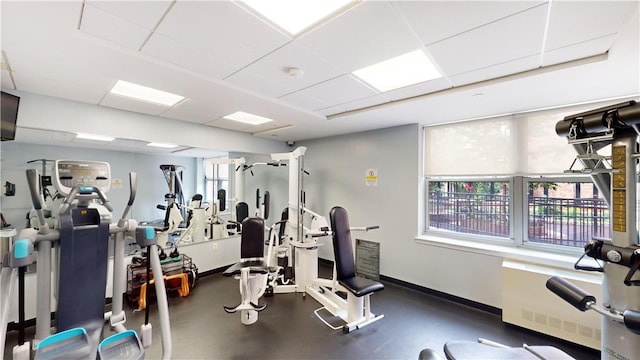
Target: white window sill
[507,252]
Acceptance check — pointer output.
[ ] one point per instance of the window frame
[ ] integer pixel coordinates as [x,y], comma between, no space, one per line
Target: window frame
[525,211]
[467,236]
[518,212]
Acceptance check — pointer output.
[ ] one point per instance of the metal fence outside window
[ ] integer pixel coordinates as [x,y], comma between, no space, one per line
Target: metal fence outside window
[558,221]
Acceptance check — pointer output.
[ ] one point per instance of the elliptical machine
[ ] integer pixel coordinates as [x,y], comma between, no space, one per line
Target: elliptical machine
[81,248]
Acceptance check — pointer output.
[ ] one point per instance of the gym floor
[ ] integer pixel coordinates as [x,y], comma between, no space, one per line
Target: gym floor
[288,328]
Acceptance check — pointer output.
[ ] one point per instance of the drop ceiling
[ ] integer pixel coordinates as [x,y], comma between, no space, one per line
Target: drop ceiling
[520,55]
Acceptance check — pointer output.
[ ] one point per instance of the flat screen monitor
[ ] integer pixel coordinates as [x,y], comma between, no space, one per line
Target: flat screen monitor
[9,115]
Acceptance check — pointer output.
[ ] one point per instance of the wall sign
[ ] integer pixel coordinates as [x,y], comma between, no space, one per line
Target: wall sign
[372,177]
[368,259]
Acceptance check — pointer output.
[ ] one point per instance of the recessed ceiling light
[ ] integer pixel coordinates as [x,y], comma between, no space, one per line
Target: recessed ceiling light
[139,92]
[294,16]
[404,70]
[247,118]
[95,137]
[162,145]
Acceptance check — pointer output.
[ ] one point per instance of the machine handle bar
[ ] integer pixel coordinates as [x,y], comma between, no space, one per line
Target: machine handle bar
[584,301]
[32,180]
[133,187]
[572,294]
[632,321]
[84,190]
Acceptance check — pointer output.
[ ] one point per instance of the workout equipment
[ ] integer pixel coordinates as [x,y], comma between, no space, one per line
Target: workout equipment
[251,271]
[219,228]
[359,289]
[292,254]
[589,132]
[50,202]
[617,258]
[81,272]
[173,176]
[487,349]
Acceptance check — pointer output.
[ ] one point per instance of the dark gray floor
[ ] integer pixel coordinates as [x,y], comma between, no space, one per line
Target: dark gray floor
[288,329]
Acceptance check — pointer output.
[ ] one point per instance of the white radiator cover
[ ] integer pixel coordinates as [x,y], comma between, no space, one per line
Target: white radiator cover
[526,302]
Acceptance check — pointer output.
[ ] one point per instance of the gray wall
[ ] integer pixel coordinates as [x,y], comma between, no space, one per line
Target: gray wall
[338,168]
[151,183]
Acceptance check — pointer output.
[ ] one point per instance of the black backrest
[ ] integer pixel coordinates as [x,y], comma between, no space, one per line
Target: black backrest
[283,226]
[252,238]
[242,211]
[342,246]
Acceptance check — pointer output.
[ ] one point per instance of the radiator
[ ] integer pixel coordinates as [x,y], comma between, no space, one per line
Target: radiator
[526,302]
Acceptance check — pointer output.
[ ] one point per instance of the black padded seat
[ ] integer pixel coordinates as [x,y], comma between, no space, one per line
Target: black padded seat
[256,267]
[251,249]
[360,286]
[343,253]
[458,350]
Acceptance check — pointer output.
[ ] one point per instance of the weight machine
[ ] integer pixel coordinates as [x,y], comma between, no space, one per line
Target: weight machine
[618,258]
[293,252]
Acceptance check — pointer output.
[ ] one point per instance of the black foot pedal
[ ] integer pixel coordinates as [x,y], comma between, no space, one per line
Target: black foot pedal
[258,307]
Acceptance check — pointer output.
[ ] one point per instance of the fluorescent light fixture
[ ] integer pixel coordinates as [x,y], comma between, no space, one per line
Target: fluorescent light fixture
[404,70]
[294,16]
[95,137]
[162,145]
[247,118]
[144,93]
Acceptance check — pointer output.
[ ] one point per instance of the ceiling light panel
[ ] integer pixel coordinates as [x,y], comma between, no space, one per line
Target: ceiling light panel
[96,137]
[162,145]
[247,118]
[295,16]
[143,93]
[404,70]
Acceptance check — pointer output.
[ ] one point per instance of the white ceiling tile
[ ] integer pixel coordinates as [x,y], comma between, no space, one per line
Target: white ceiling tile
[192,110]
[59,87]
[304,101]
[143,13]
[579,50]
[367,34]
[231,125]
[426,87]
[340,90]
[437,20]
[222,30]
[270,73]
[506,40]
[496,71]
[572,22]
[107,26]
[123,103]
[254,82]
[42,136]
[127,143]
[192,59]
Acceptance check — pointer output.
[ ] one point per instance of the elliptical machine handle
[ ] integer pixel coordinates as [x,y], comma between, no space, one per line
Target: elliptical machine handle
[32,180]
[133,187]
[105,201]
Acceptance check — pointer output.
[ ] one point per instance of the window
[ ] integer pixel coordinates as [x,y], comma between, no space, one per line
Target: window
[502,179]
[470,207]
[565,213]
[217,177]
